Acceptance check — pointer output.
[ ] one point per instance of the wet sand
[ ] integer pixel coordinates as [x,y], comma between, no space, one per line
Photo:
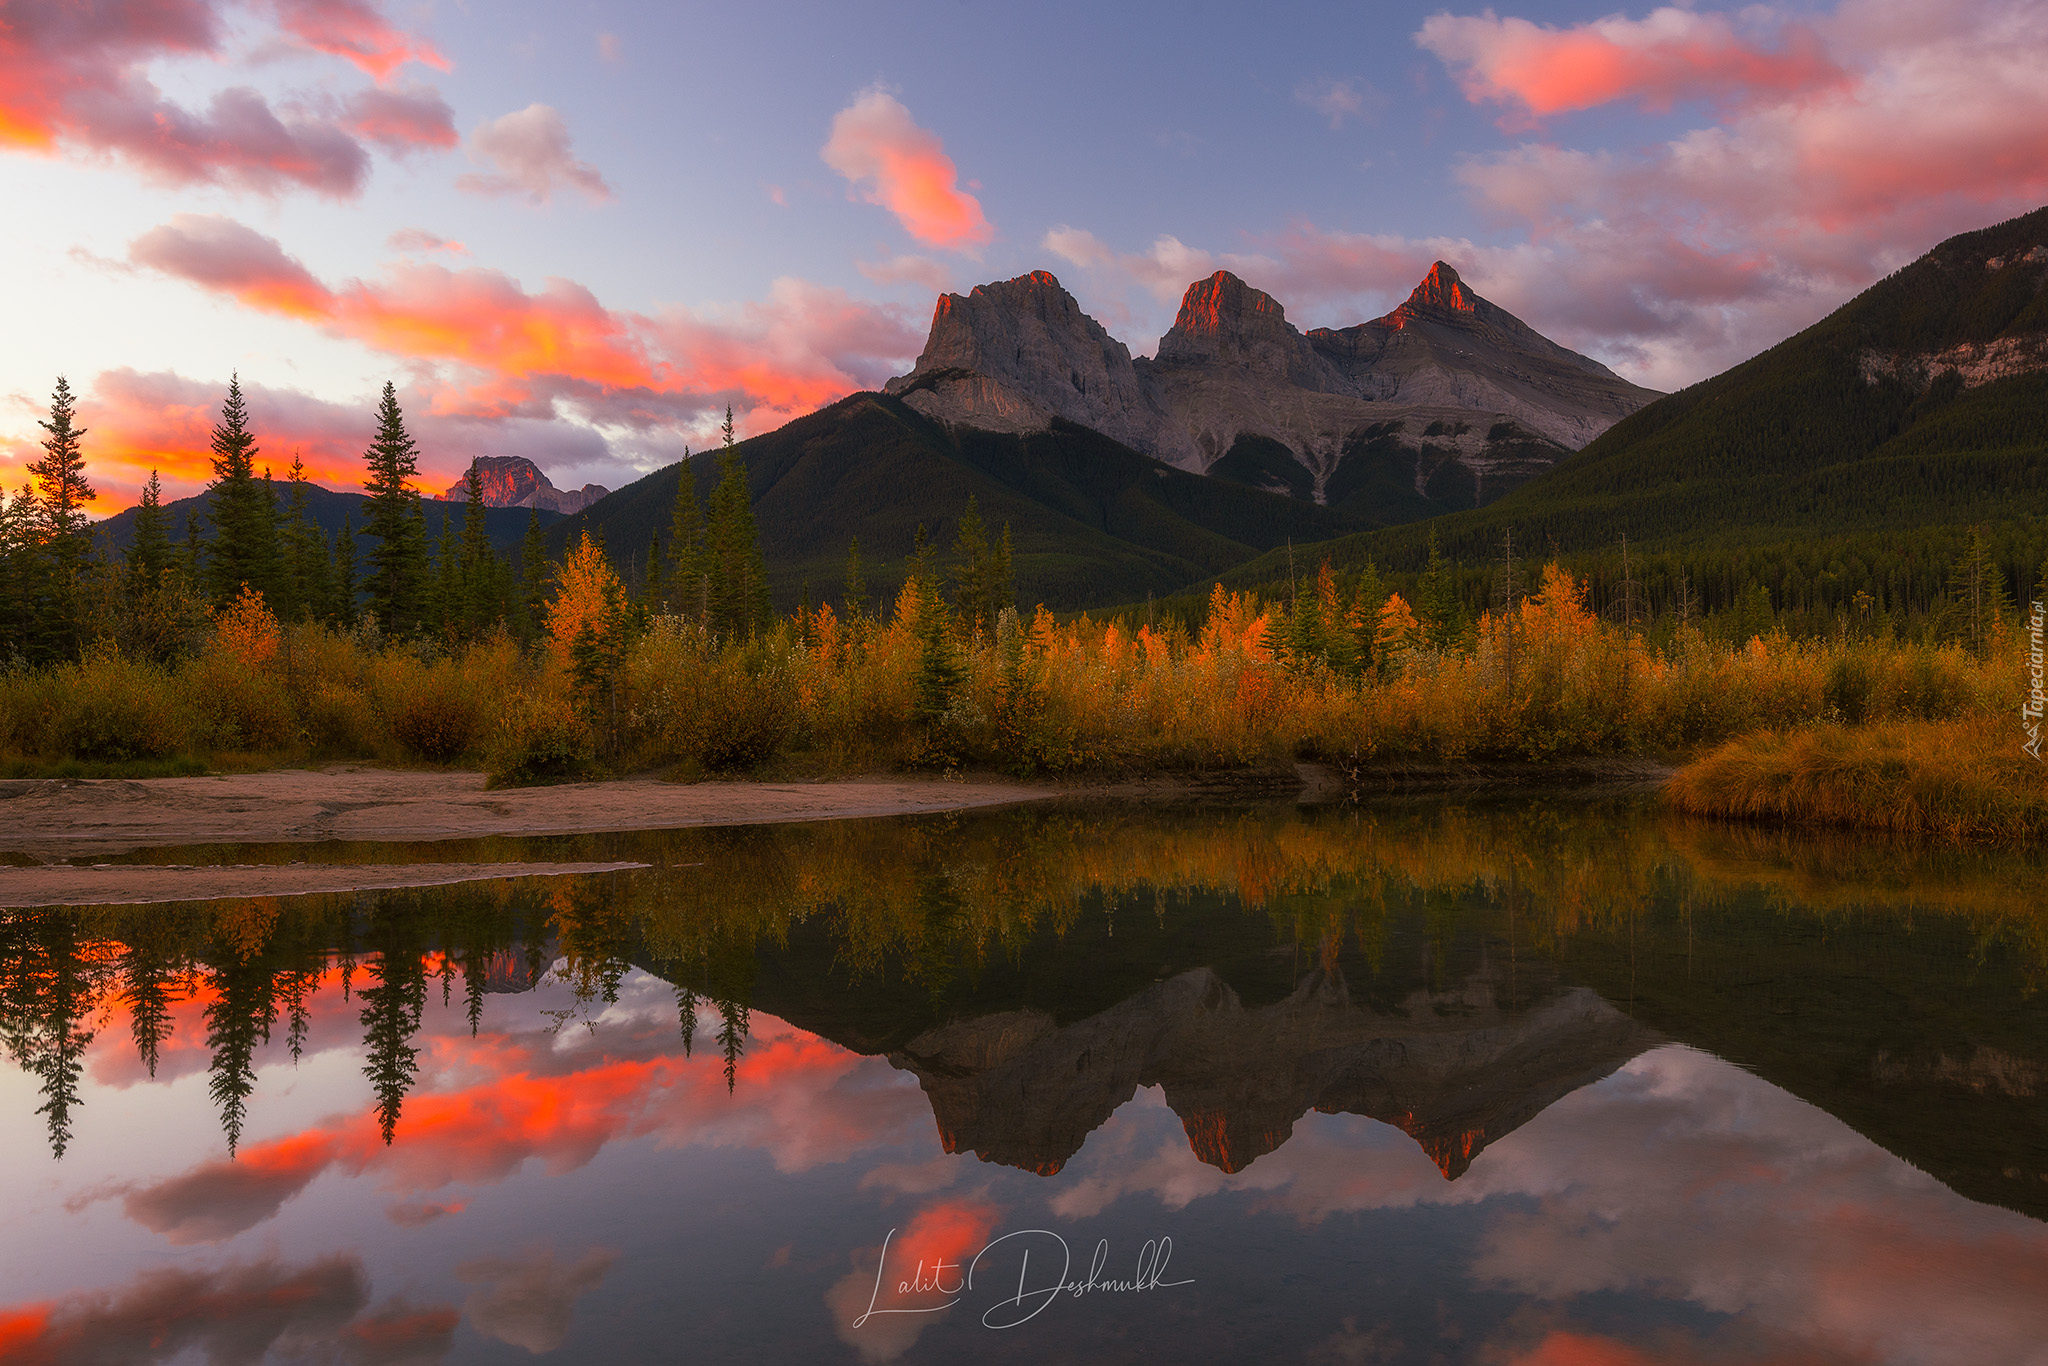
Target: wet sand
[57,819]
[136,883]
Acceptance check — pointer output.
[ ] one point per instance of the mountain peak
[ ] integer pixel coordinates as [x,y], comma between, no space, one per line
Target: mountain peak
[1223,302]
[1443,289]
[513,481]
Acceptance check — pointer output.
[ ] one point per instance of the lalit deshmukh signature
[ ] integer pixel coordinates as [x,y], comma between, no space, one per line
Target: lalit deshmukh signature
[1040,1279]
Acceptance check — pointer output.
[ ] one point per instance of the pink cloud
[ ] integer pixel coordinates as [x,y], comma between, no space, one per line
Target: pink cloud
[1671,55]
[238,1311]
[402,120]
[877,146]
[73,77]
[418,240]
[357,33]
[530,152]
[515,353]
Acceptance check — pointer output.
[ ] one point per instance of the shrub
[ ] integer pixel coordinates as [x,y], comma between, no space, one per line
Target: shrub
[537,740]
[746,707]
[338,721]
[110,709]
[238,708]
[431,711]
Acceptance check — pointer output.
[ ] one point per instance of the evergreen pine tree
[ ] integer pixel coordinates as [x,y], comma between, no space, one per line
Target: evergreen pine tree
[397,580]
[480,577]
[148,556]
[737,573]
[447,611]
[243,550]
[1368,596]
[686,545]
[343,578]
[18,546]
[533,577]
[855,595]
[1002,579]
[303,590]
[1438,612]
[57,563]
[1978,599]
[974,588]
[192,554]
[939,671]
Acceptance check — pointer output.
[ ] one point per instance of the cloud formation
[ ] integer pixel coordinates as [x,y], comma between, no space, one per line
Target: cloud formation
[514,353]
[1338,100]
[528,1301]
[530,153]
[892,162]
[1657,61]
[235,1312]
[356,33]
[73,77]
[1836,150]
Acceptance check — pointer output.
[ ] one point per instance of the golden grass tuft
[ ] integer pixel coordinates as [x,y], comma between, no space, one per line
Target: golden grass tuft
[1964,779]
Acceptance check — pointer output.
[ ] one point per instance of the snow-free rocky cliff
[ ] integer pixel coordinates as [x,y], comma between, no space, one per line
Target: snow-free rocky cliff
[1448,376]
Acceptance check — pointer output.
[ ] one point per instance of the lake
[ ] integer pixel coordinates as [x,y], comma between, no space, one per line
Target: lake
[1533,1081]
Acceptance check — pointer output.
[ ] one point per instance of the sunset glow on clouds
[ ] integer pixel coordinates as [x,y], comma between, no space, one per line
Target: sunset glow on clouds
[1668,189]
[73,78]
[892,162]
[1668,56]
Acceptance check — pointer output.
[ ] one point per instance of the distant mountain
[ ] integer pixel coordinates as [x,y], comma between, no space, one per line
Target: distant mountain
[328,508]
[1921,404]
[1092,520]
[1446,402]
[513,481]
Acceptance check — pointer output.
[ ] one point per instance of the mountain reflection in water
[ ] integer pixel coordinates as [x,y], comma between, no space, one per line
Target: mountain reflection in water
[622,1113]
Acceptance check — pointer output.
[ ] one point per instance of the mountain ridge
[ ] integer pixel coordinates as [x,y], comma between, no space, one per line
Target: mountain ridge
[1446,381]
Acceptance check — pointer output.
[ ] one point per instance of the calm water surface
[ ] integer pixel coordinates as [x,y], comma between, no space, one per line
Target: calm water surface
[1545,1082]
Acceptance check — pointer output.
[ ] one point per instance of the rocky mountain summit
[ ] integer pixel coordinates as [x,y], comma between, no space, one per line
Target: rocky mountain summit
[513,481]
[1453,1069]
[1448,394]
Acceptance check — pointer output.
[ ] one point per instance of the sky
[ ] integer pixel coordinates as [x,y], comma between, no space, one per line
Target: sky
[577,232]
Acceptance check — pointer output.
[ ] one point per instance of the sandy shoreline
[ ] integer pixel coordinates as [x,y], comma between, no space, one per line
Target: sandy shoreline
[57,819]
[138,883]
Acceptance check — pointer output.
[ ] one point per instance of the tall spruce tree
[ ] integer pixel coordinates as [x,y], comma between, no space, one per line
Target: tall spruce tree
[303,589]
[19,541]
[1978,599]
[974,590]
[737,574]
[533,578]
[244,548]
[148,557]
[1438,612]
[686,587]
[480,577]
[57,561]
[397,581]
[342,609]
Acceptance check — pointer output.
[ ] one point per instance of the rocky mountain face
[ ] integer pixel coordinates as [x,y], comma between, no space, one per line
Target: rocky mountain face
[1454,395]
[1453,1069]
[513,481]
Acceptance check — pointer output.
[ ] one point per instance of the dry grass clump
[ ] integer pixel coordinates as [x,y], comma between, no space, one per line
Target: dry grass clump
[1964,779]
